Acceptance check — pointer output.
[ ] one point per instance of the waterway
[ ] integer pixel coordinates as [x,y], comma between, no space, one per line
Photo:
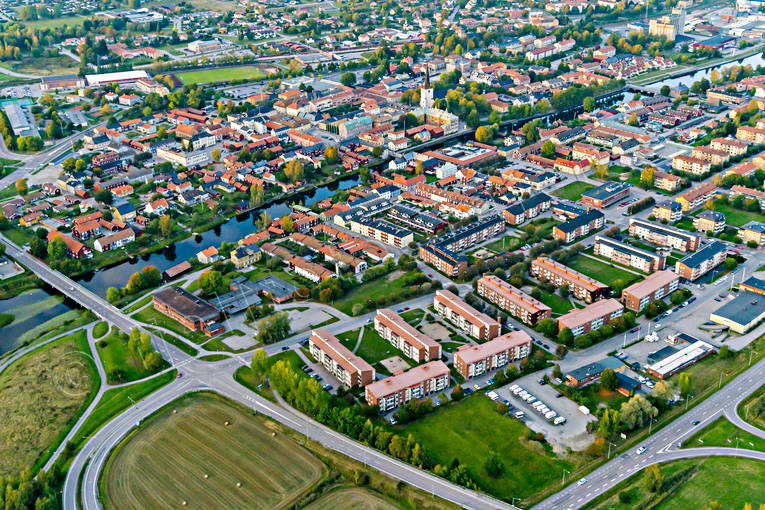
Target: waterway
[31,309]
[231,231]
[688,78]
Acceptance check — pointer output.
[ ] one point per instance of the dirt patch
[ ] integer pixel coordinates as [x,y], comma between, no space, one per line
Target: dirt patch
[435,331]
[394,275]
[484,254]
[395,364]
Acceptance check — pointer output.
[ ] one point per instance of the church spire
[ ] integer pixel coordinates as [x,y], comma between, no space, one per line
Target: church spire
[426,85]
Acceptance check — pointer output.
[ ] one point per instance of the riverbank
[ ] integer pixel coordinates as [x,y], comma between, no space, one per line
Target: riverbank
[669,74]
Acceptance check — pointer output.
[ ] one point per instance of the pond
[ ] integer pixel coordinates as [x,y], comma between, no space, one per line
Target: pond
[231,231]
[30,309]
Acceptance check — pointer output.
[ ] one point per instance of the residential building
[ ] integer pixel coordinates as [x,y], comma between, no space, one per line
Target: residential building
[310,270]
[582,321]
[514,301]
[753,232]
[115,240]
[665,181]
[244,256]
[655,286]
[663,235]
[697,196]
[700,263]
[191,311]
[349,369]
[416,218]
[623,253]
[415,345]
[472,322]
[583,287]
[731,146]
[691,165]
[474,233]
[669,211]
[580,226]
[709,221]
[714,156]
[74,248]
[444,260]
[382,231]
[208,255]
[527,209]
[475,360]
[606,194]
[751,134]
[417,382]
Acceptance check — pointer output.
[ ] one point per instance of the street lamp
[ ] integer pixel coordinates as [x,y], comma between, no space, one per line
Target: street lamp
[723,372]
[688,397]
[751,351]
[564,477]
[650,424]
[610,444]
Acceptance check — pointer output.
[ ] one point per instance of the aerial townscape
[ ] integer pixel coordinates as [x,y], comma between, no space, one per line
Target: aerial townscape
[313,254]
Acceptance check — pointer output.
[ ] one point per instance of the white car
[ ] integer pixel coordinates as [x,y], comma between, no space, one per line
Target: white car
[641,450]
[582,481]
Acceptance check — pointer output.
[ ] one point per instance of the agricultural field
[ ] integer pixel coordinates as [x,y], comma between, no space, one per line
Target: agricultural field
[692,483]
[573,190]
[226,74]
[41,395]
[352,498]
[602,272]
[272,469]
[470,430]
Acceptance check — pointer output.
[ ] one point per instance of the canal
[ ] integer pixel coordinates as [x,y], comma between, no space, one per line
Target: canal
[689,77]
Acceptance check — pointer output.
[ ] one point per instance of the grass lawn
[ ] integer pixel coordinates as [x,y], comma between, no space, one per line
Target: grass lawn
[573,190]
[413,316]
[386,285]
[721,432]
[558,304]
[245,376]
[167,337]
[745,408]
[100,329]
[40,24]
[56,326]
[41,396]
[470,429]
[692,483]
[507,243]
[373,347]
[546,224]
[450,346]
[229,73]
[272,469]
[116,400]
[115,356]
[736,217]
[151,316]
[217,344]
[352,498]
[138,304]
[601,271]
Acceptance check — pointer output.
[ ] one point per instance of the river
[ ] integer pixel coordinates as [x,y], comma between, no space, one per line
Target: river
[230,231]
[30,309]
[692,76]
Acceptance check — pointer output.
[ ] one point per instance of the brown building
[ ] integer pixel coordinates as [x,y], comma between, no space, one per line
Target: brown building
[350,369]
[580,226]
[663,235]
[444,260]
[583,287]
[416,382]
[656,286]
[475,360]
[512,300]
[468,319]
[193,312]
[416,345]
[623,253]
[582,321]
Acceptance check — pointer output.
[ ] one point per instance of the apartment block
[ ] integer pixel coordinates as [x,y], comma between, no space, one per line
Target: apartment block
[668,210]
[753,231]
[731,146]
[691,165]
[591,317]
[348,368]
[665,181]
[514,301]
[656,286]
[582,225]
[709,221]
[382,231]
[469,235]
[606,194]
[623,253]
[402,336]
[714,156]
[663,235]
[751,134]
[474,323]
[700,263]
[696,196]
[475,360]
[445,261]
[527,209]
[583,287]
[417,382]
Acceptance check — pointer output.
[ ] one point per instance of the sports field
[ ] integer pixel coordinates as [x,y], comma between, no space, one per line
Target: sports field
[225,74]
[165,462]
[352,498]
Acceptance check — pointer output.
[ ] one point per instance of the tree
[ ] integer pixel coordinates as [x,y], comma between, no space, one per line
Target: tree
[609,423]
[165,226]
[103,196]
[664,390]
[646,177]
[589,104]
[636,412]
[331,153]
[348,79]
[21,187]
[256,195]
[294,170]
[216,155]
[664,90]
[494,465]
[57,249]
[677,297]
[259,363]
[548,327]
[530,131]
[273,328]
[112,295]
[484,134]
[608,380]
[566,337]
[287,224]
[654,478]
[730,263]
[357,309]
[633,120]
[152,361]
[548,149]
[210,281]
[685,383]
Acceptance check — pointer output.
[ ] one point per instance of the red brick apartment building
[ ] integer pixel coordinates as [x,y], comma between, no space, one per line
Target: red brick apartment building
[416,382]
[591,317]
[350,369]
[416,345]
[468,319]
[514,301]
[193,312]
[583,287]
[445,261]
[656,286]
[475,360]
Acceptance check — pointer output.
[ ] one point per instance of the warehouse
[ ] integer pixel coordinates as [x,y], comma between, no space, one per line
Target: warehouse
[680,360]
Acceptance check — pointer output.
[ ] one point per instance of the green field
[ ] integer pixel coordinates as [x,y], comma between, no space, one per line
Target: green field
[138,304]
[388,285]
[151,316]
[40,24]
[507,243]
[352,498]
[692,484]
[470,429]
[746,409]
[373,347]
[116,358]
[41,395]
[558,304]
[736,217]
[165,462]
[601,271]
[721,432]
[573,190]
[100,329]
[226,74]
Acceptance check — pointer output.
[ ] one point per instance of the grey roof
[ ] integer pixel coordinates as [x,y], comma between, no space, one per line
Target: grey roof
[706,253]
[274,286]
[663,353]
[582,219]
[606,190]
[744,308]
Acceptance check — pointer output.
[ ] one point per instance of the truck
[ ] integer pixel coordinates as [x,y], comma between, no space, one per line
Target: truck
[549,415]
[513,387]
[584,410]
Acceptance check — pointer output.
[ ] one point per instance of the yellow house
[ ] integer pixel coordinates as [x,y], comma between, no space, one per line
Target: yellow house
[30,219]
[245,256]
[124,212]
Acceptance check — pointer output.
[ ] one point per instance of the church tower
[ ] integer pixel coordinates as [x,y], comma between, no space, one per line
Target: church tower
[426,92]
